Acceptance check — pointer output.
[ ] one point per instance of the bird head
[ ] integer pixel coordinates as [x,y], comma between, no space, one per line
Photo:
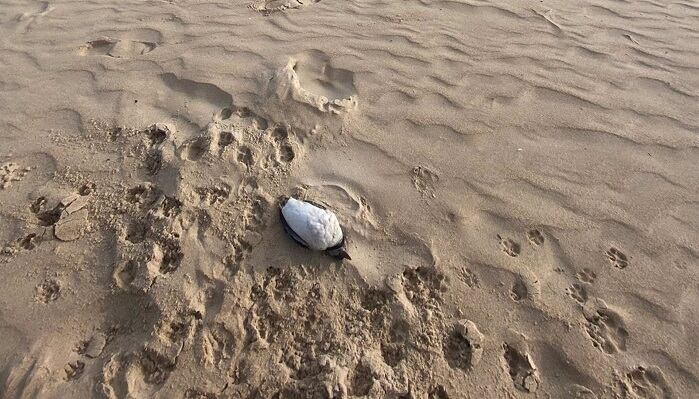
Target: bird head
[339,253]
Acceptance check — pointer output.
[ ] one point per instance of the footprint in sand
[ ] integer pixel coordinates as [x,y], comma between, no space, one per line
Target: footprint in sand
[92,347]
[11,172]
[521,368]
[586,276]
[259,146]
[437,392]
[48,291]
[30,241]
[310,78]
[155,367]
[218,345]
[247,233]
[605,327]
[267,7]
[617,258]
[116,48]
[425,181]
[463,347]
[246,156]
[284,151]
[508,246]
[26,20]
[214,195]
[149,244]
[46,214]
[519,290]
[644,383]
[157,139]
[469,277]
[535,237]
[578,292]
[74,370]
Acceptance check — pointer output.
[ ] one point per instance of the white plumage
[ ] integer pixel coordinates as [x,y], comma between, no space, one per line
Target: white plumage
[319,228]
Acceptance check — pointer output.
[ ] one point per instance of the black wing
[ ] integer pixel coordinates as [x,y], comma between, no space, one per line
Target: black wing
[291,232]
[340,244]
[317,205]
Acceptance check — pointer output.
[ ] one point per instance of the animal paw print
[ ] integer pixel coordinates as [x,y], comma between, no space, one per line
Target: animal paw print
[645,383]
[424,285]
[197,148]
[508,246]
[246,156]
[143,194]
[92,347]
[74,370]
[425,181]
[172,257]
[607,330]
[586,276]
[394,351]
[577,292]
[469,277]
[87,188]
[48,291]
[218,345]
[462,348]
[225,139]
[46,216]
[214,195]
[535,237]
[155,136]
[156,368]
[617,258]
[438,392]
[267,7]
[125,274]
[116,48]
[29,242]
[521,369]
[519,290]
[10,172]
[284,152]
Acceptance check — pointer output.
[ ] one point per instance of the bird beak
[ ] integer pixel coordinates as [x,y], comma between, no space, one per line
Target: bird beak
[339,253]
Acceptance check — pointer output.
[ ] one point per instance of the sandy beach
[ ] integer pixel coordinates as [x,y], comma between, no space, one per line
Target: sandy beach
[518,183]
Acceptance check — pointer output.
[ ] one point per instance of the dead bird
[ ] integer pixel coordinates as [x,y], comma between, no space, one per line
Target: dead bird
[313,226]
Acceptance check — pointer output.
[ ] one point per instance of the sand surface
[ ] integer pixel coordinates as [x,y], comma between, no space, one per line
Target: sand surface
[518,180]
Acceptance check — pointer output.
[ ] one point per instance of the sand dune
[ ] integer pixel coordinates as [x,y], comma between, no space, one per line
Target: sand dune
[517,180]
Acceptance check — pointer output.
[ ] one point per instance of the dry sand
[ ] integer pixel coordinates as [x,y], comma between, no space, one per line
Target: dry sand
[519,182]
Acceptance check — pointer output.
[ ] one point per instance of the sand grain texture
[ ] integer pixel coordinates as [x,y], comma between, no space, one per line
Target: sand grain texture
[518,182]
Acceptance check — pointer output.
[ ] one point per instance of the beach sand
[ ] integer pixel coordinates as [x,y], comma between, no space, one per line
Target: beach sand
[518,183]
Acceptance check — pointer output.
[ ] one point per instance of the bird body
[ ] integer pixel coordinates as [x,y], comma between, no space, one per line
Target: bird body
[313,226]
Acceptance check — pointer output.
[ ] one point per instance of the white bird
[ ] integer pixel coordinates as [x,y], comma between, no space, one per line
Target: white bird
[313,226]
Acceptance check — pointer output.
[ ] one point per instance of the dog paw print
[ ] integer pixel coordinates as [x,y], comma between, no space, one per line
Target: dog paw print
[617,258]
[463,347]
[644,382]
[425,181]
[521,369]
[48,291]
[586,276]
[11,172]
[606,328]
[509,247]
[577,292]
[535,237]
[74,370]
